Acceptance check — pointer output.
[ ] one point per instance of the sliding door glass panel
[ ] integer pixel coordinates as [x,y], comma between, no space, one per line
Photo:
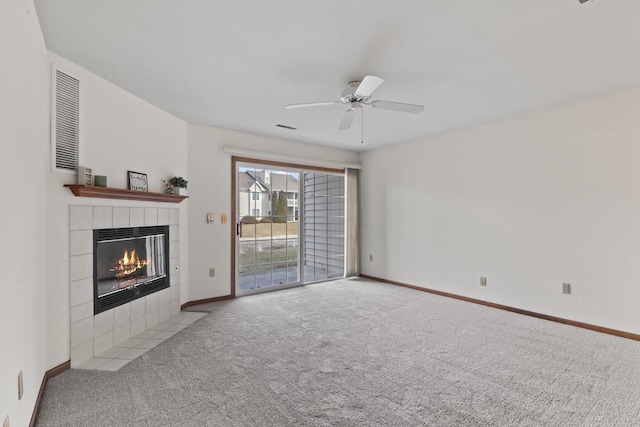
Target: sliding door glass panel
[268,241]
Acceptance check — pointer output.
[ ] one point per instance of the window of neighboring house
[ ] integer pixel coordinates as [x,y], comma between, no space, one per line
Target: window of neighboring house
[255,212]
[255,195]
[292,196]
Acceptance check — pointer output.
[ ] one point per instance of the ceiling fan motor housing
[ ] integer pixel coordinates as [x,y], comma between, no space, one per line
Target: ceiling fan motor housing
[349,93]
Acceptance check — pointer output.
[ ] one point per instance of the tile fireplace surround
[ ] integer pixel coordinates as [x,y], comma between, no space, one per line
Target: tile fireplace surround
[91,334]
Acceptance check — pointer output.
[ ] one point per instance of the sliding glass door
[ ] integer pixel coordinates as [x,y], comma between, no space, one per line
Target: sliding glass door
[278,211]
[267,224]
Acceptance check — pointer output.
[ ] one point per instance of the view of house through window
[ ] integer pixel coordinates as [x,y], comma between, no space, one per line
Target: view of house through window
[279,211]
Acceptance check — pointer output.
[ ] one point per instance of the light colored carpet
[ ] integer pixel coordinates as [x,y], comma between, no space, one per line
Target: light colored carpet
[360,353]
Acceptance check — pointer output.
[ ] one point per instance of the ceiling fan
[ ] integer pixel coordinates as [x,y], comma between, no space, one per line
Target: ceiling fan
[358,94]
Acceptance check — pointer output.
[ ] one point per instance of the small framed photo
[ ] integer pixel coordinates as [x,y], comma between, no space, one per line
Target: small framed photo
[137,181]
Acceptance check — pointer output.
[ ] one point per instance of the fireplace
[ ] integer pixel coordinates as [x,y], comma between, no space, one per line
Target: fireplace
[129,263]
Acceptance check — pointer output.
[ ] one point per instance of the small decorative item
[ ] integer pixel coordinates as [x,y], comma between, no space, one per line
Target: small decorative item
[100,181]
[137,181]
[85,176]
[176,185]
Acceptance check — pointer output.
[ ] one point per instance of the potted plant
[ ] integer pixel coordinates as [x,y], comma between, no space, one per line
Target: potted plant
[176,185]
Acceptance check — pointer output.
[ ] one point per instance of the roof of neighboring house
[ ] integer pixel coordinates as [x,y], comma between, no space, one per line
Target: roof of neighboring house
[284,182]
[246,181]
[279,181]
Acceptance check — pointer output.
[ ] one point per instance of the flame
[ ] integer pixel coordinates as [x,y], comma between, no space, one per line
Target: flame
[128,264]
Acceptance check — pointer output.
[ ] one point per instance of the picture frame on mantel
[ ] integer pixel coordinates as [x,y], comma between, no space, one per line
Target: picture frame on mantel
[137,181]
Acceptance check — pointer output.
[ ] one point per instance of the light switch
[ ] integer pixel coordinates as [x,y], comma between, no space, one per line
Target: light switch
[223,218]
[210,218]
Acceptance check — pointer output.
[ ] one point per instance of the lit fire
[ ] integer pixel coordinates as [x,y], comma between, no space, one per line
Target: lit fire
[128,265]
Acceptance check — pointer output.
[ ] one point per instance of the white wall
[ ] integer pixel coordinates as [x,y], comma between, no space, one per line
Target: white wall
[23,160]
[529,202]
[119,132]
[210,191]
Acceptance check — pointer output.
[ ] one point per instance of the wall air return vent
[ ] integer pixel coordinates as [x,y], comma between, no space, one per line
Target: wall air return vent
[65,121]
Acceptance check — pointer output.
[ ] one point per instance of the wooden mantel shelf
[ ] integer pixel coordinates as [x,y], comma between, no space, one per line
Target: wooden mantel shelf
[118,193]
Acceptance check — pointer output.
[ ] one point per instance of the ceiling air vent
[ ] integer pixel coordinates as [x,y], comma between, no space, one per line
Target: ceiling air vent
[65,121]
[286,127]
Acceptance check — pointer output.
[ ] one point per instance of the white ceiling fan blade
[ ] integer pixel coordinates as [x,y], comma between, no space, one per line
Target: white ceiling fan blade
[398,106]
[312,104]
[368,85]
[347,119]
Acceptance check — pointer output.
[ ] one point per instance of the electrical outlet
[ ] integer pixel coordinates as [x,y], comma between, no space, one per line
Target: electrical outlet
[212,272]
[20,386]
[370,257]
[566,288]
[6,422]
[483,281]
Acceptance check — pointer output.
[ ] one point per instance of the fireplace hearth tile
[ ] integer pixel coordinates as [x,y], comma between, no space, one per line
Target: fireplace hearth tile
[133,353]
[174,233]
[93,363]
[136,217]
[149,344]
[122,333]
[103,323]
[112,330]
[114,365]
[103,343]
[113,352]
[158,327]
[122,315]
[186,321]
[174,248]
[80,292]
[138,325]
[174,216]
[102,217]
[164,297]
[80,217]
[151,303]
[175,276]
[150,216]
[175,327]
[152,319]
[164,312]
[81,267]
[163,216]
[132,342]
[81,353]
[120,217]
[80,242]
[146,334]
[118,356]
[82,332]
[81,311]
[164,334]
[138,308]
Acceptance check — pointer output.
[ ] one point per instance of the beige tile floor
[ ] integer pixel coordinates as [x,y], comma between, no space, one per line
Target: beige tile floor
[126,351]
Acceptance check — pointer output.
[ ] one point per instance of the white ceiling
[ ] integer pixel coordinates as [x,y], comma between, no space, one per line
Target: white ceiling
[235,64]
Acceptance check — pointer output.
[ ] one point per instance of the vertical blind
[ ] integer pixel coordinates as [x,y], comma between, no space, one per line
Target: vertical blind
[324,226]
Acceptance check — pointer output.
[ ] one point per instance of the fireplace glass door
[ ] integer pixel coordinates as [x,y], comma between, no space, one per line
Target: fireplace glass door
[129,263]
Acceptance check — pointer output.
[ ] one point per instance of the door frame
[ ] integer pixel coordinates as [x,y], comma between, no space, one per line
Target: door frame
[234,206]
